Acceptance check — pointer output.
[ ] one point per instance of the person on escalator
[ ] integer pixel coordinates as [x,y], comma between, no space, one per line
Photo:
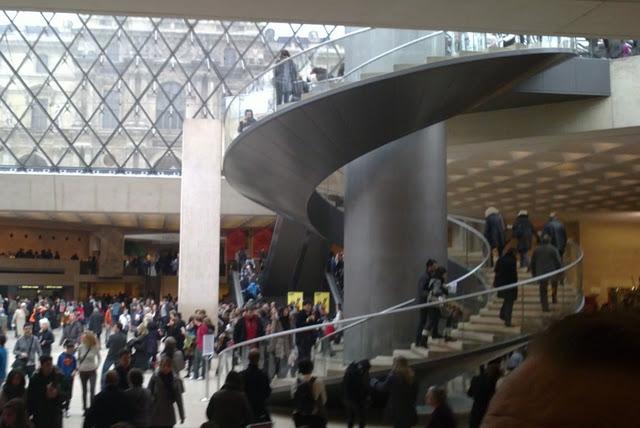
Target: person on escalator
[494,231]
[423,294]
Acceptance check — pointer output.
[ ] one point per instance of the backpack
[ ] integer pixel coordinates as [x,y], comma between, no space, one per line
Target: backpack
[303,397]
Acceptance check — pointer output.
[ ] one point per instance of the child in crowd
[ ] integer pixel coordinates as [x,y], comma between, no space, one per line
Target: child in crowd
[68,364]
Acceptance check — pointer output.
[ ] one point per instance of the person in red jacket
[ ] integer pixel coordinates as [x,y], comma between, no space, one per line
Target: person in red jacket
[199,364]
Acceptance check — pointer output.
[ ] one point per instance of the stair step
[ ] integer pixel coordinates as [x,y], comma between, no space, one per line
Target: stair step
[527,305]
[398,67]
[365,76]
[436,58]
[382,361]
[409,354]
[489,320]
[441,345]
[533,313]
[473,335]
[419,350]
[488,328]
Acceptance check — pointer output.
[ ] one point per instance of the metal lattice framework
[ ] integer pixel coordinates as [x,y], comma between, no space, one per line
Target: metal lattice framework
[88,93]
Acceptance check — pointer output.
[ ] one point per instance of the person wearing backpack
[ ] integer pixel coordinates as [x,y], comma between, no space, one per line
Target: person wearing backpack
[357,391]
[309,397]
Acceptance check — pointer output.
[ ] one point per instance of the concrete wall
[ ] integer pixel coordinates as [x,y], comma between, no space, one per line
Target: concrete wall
[620,110]
[65,242]
[108,194]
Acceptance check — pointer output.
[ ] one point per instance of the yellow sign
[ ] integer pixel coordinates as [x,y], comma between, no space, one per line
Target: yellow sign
[295,298]
[322,298]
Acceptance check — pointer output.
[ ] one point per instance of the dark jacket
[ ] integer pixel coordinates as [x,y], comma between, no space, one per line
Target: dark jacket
[258,390]
[506,270]
[240,330]
[46,412]
[482,389]
[442,417]
[423,287]
[401,402]
[305,338]
[229,408]
[140,401]
[494,230]
[109,407]
[545,259]
[46,340]
[523,231]
[555,229]
[123,377]
[95,323]
[72,332]
[116,343]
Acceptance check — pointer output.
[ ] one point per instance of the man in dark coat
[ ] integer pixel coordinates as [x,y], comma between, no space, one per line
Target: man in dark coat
[423,294]
[46,396]
[482,389]
[95,322]
[506,271]
[546,259]
[494,230]
[558,234]
[257,388]
[110,406]
[230,407]
[523,232]
[306,339]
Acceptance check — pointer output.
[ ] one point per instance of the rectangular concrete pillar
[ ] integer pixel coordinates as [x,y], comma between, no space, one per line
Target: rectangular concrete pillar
[200,217]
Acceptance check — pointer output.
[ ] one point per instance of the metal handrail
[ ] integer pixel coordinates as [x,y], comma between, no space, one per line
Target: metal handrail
[273,67]
[390,51]
[408,308]
[454,220]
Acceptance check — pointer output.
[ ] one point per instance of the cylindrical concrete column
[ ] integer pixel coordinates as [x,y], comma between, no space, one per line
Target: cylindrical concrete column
[395,219]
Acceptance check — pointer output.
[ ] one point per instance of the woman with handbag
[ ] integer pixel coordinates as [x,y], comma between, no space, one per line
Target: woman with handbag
[88,363]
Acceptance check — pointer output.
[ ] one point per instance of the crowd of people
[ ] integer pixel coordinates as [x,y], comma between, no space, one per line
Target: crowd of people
[546,257]
[153,265]
[47,254]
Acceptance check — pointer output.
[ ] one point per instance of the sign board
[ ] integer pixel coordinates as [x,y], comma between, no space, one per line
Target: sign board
[208,344]
[322,298]
[295,298]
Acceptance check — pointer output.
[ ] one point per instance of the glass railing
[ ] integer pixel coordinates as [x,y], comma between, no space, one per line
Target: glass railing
[464,326]
[313,72]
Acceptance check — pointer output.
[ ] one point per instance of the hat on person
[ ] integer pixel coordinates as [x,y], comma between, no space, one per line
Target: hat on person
[523,212]
[552,214]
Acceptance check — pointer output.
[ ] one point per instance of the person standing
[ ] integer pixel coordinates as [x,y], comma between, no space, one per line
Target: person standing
[401,387]
[557,232]
[110,406]
[523,232]
[494,231]
[26,349]
[19,318]
[280,347]
[14,387]
[73,330]
[506,272]
[437,292]
[46,336]
[95,322]
[247,121]
[257,388]
[46,396]
[545,259]
[482,389]
[423,294]
[356,391]
[310,398]
[140,400]
[67,365]
[442,415]
[286,74]
[123,367]
[88,363]
[229,407]
[117,342]
[166,390]
[305,339]
[14,415]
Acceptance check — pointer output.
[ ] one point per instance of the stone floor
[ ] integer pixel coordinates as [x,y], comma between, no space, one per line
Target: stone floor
[195,391]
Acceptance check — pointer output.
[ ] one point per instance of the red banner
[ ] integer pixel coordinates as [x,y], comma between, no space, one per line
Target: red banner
[236,240]
[261,241]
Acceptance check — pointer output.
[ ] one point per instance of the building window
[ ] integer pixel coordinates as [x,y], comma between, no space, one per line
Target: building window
[170,106]
[111,110]
[230,56]
[39,120]
[42,64]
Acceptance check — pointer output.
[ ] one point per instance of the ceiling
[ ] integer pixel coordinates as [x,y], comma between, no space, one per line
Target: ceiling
[130,221]
[574,177]
[615,18]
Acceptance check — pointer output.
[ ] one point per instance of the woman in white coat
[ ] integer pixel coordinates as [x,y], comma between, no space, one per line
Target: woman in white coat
[19,319]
